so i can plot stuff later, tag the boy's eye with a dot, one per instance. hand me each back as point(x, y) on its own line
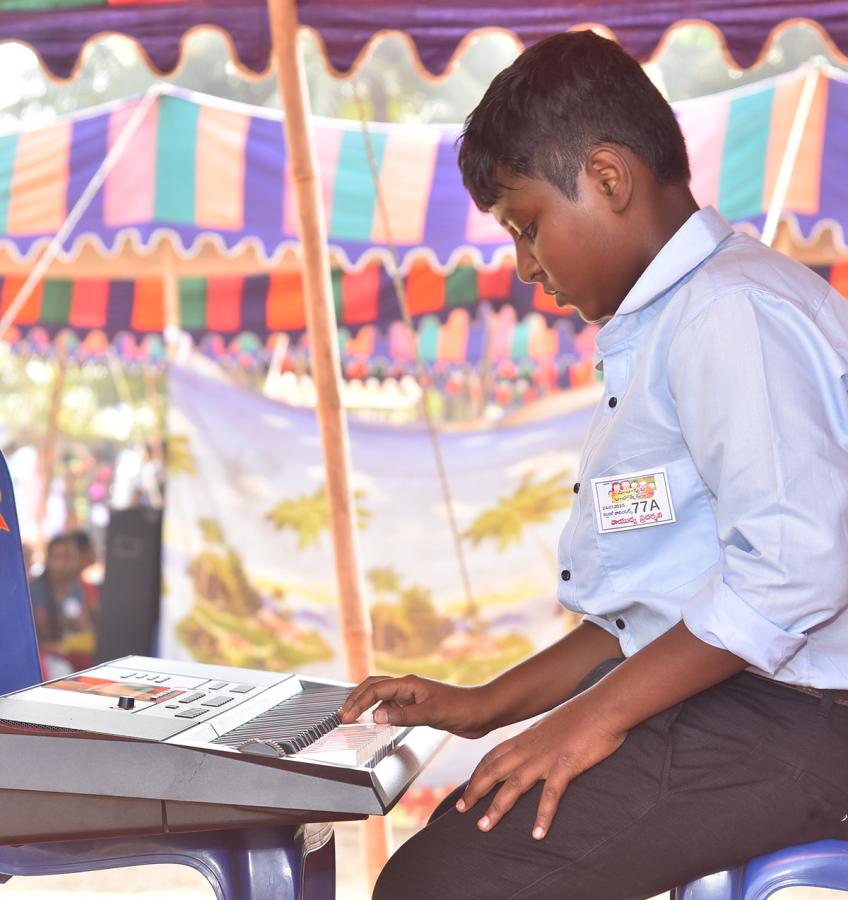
point(529, 232)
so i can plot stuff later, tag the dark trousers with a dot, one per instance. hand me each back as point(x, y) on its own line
point(741, 769)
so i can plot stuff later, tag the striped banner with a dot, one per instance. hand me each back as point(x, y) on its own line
point(737, 142)
point(198, 168)
point(491, 333)
point(264, 305)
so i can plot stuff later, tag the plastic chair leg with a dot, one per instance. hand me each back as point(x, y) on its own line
point(286, 863)
point(718, 886)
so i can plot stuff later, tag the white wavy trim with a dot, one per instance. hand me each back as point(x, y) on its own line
point(819, 229)
point(130, 239)
point(471, 36)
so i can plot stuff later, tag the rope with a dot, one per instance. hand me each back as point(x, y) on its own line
point(400, 291)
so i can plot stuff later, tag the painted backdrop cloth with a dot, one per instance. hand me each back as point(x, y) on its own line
point(248, 570)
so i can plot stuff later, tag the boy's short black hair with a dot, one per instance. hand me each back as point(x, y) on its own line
point(564, 95)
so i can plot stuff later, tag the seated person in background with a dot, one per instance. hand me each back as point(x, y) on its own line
point(698, 716)
point(87, 561)
point(63, 621)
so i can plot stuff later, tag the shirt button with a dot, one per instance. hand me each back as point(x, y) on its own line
point(576, 487)
point(619, 623)
point(613, 402)
point(565, 575)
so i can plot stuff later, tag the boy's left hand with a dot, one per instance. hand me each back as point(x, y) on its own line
point(556, 749)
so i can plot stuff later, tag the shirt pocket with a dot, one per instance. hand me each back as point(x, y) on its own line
point(660, 558)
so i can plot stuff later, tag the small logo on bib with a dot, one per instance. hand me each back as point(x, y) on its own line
point(636, 500)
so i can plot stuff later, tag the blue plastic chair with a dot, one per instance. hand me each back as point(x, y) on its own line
point(293, 862)
point(823, 864)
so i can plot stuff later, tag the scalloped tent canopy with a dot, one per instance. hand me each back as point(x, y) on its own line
point(58, 29)
point(200, 172)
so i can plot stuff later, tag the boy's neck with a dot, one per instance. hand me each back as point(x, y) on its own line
point(672, 206)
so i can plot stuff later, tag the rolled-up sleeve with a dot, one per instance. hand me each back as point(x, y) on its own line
point(761, 399)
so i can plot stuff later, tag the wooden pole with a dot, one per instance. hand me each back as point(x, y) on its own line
point(323, 342)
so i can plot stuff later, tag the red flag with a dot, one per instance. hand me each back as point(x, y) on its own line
point(3, 525)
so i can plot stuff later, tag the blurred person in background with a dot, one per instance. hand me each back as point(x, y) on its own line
point(88, 574)
point(63, 621)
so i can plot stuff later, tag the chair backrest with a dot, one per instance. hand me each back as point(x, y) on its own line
point(19, 662)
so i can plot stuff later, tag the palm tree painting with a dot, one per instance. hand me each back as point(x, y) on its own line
point(232, 622)
point(384, 580)
point(180, 459)
point(532, 503)
point(410, 634)
point(308, 515)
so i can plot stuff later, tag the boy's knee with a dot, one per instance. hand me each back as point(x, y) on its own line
point(396, 882)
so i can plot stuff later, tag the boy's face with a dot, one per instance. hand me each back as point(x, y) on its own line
point(577, 249)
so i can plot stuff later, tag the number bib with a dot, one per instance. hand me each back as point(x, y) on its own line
point(637, 500)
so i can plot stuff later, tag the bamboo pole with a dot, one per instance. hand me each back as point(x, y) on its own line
point(323, 342)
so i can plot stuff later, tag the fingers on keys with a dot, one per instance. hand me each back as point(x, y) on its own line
point(389, 692)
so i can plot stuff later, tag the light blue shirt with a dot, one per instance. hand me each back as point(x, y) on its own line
point(728, 363)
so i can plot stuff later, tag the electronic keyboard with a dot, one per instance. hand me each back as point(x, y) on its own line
point(141, 745)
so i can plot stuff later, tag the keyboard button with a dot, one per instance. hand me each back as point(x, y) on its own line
point(172, 706)
point(192, 713)
point(190, 698)
point(217, 686)
point(217, 701)
point(241, 688)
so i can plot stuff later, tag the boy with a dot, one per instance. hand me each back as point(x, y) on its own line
point(723, 733)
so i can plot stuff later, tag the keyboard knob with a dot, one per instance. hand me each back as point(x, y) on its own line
point(126, 702)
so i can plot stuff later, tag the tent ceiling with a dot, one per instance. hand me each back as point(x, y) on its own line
point(436, 28)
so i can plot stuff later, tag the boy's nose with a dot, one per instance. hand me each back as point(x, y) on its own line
point(526, 267)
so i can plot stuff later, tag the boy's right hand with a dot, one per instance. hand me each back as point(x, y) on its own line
point(412, 700)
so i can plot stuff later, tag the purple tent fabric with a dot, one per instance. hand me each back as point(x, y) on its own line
point(58, 34)
point(437, 26)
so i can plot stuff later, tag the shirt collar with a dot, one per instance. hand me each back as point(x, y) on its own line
point(688, 247)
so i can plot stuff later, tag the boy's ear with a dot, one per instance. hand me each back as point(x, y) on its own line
point(610, 174)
